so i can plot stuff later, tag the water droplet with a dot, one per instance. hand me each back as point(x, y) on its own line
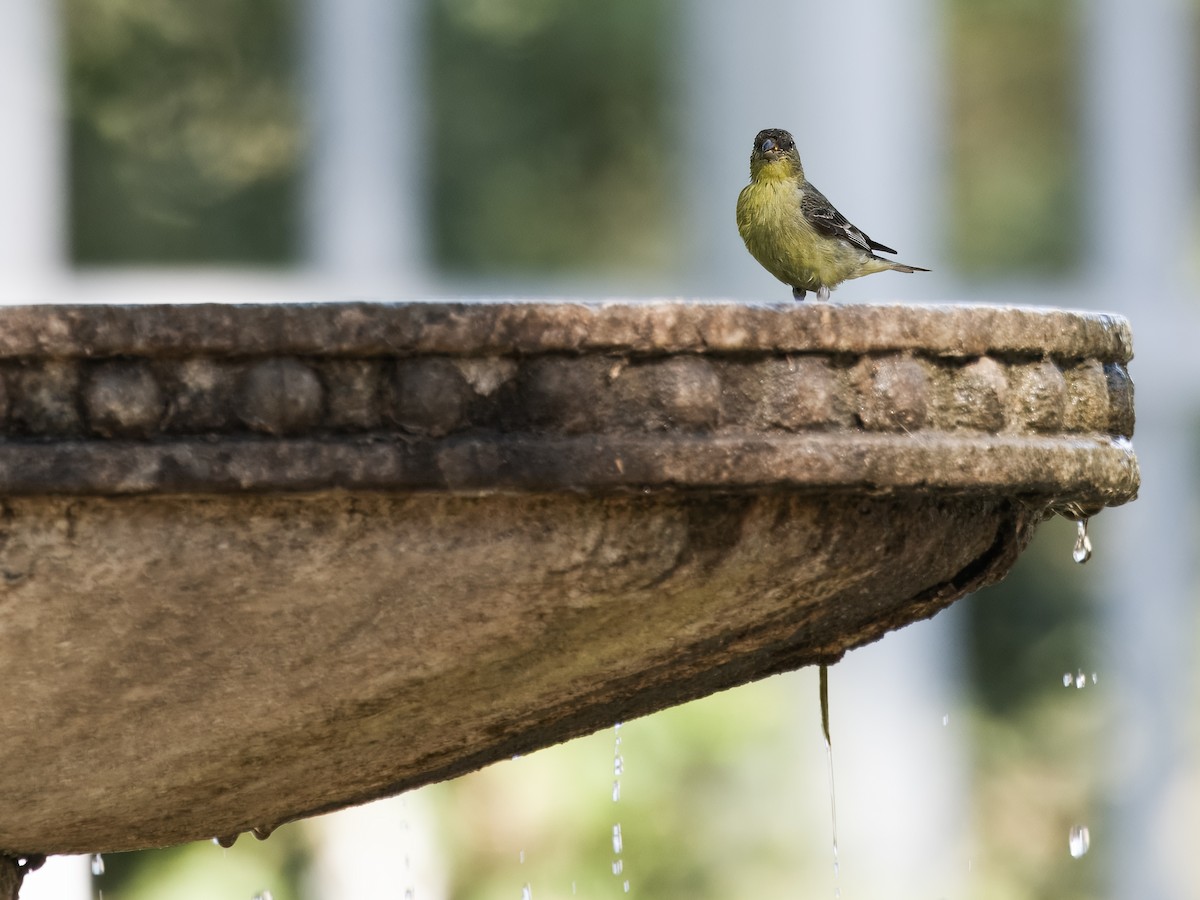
point(618, 866)
point(225, 840)
point(1080, 680)
point(97, 864)
point(521, 856)
point(616, 791)
point(265, 895)
point(409, 894)
point(1079, 840)
point(617, 842)
point(1083, 544)
point(627, 886)
point(1067, 679)
point(527, 892)
point(946, 719)
point(618, 766)
point(573, 891)
point(1095, 678)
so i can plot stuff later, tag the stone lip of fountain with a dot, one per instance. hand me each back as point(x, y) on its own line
point(265, 561)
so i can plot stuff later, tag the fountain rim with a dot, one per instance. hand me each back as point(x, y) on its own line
point(533, 326)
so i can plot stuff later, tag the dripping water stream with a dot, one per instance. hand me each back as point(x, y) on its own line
point(824, 690)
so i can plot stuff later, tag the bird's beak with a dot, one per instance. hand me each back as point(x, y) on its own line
point(768, 145)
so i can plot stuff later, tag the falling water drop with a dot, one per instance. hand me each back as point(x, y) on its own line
point(521, 856)
point(97, 864)
point(410, 891)
point(265, 895)
point(1067, 679)
point(626, 885)
point(618, 842)
point(1083, 544)
point(1079, 840)
point(946, 719)
point(1080, 680)
point(526, 892)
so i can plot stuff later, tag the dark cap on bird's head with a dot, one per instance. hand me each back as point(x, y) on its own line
point(773, 143)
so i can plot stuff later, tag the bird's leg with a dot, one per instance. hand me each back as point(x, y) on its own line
point(798, 293)
point(823, 293)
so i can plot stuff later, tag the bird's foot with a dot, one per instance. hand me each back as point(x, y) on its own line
point(823, 293)
point(798, 293)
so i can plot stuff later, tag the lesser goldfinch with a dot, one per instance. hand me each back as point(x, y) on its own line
point(794, 232)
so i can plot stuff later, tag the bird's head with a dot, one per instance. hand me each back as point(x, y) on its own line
point(774, 156)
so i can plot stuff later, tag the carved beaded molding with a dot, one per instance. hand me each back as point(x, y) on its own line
point(541, 395)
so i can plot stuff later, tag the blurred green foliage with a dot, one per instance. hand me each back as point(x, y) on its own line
point(203, 870)
point(552, 145)
point(185, 131)
point(1026, 632)
point(1015, 157)
point(1036, 766)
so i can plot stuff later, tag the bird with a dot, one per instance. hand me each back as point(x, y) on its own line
point(794, 232)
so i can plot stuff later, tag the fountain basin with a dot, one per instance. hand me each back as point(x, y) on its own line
point(260, 562)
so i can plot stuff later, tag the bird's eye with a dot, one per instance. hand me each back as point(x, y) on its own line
point(767, 145)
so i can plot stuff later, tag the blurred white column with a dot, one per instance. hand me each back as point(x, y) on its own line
point(32, 167)
point(365, 198)
point(1140, 139)
point(860, 89)
point(382, 849)
point(60, 878)
point(740, 76)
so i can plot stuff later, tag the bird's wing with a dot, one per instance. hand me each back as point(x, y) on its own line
point(824, 217)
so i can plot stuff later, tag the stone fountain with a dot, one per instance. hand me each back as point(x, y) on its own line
point(260, 562)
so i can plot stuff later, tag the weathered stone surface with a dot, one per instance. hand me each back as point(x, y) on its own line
point(1120, 399)
point(978, 396)
point(355, 401)
point(1039, 397)
point(894, 393)
point(280, 396)
point(266, 561)
point(123, 400)
point(45, 398)
point(431, 396)
point(237, 661)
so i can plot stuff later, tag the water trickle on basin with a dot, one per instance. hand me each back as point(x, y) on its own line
point(824, 691)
